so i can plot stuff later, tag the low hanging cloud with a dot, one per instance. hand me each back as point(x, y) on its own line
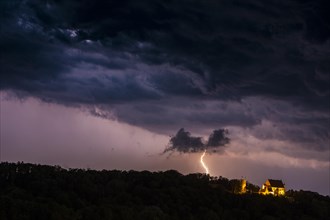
point(218, 138)
point(185, 143)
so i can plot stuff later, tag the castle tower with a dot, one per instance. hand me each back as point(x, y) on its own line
point(243, 185)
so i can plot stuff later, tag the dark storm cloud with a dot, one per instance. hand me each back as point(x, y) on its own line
point(140, 59)
point(218, 138)
point(285, 122)
point(185, 143)
point(165, 115)
point(237, 48)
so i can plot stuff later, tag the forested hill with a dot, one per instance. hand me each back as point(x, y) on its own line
point(30, 191)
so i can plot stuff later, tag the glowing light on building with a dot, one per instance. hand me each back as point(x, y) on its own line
point(203, 164)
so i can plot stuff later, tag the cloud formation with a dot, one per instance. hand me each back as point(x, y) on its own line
point(220, 50)
point(218, 138)
point(185, 143)
point(200, 64)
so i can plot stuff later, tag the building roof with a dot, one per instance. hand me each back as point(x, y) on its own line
point(276, 183)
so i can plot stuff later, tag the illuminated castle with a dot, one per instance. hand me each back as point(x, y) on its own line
point(273, 187)
point(243, 186)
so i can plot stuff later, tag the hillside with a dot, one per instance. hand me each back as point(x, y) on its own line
point(29, 191)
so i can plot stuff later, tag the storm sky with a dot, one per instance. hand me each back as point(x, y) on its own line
point(106, 84)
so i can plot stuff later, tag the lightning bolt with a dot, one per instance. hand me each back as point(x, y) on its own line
point(203, 164)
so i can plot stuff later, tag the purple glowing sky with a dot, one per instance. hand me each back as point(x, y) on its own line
point(106, 86)
point(37, 132)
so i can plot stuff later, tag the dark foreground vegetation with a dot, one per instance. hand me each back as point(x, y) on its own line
point(30, 191)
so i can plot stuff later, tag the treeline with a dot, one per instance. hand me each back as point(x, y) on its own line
point(30, 191)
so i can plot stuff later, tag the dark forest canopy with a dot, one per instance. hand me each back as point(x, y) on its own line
point(29, 191)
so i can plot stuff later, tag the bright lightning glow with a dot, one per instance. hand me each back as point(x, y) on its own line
point(203, 164)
